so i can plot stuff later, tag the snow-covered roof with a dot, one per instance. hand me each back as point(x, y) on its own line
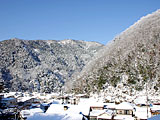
point(36, 110)
point(44, 104)
point(90, 102)
point(106, 115)
point(76, 109)
point(9, 94)
point(23, 99)
point(55, 108)
point(57, 112)
point(96, 112)
point(140, 100)
point(155, 107)
point(110, 105)
point(44, 116)
point(56, 101)
point(124, 106)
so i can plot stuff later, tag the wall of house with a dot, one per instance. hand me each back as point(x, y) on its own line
point(124, 112)
point(92, 118)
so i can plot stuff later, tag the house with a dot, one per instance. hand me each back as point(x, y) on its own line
point(28, 101)
point(124, 108)
point(94, 105)
point(124, 111)
point(101, 115)
point(8, 102)
point(97, 109)
point(142, 113)
point(9, 114)
point(64, 99)
point(81, 96)
point(155, 110)
point(74, 101)
point(95, 113)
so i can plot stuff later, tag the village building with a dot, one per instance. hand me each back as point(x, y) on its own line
point(8, 102)
point(10, 113)
point(142, 113)
point(124, 108)
point(64, 99)
point(26, 102)
point(124, 111)
point(155, 110)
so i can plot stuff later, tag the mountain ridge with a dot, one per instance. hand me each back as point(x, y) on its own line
point(42, 65)
point(120, 62)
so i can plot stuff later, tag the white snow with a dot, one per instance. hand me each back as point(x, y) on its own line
point(75, 109)
point(110, 105)
point(96, 112)
point(49, 42)
point(57, 112)
point(141, 100)
point(155, 107)
point(43, 116)
point(31, 112)
point(125, 106)
point(36, 50)
point(67, 41)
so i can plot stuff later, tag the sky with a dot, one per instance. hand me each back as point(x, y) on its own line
point(89, 20)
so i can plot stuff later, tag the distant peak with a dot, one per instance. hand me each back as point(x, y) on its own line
point(15, 38)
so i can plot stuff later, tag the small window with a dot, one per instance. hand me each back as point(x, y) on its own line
point(120, 112)
point(126, 112)
point(93, 118)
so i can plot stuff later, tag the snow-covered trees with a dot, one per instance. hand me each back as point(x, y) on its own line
point(134, 54)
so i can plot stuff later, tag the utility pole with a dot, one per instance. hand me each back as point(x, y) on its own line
point(147, 97)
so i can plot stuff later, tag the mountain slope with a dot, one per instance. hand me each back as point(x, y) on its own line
point(131, 61)
point(42, 65)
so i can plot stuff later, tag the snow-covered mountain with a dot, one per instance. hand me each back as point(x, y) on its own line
point(130, 62)
point(42, 65)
